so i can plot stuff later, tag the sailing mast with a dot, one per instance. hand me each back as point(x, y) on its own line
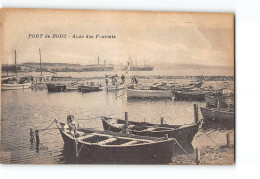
point(40, 61)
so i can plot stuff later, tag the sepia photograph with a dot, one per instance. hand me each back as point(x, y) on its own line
point(117, 87)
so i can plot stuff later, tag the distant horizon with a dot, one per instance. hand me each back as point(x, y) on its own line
point(172, 64)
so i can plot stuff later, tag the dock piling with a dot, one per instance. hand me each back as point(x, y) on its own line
point(228, 140)
point(76, 149)
point(126, 122)
point(196, 113)
point(197, 158)
point(37, 136)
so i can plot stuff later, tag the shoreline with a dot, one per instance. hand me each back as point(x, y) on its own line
point(219, 155)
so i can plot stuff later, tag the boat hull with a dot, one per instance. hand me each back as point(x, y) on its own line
point(218, 117)
point(189, 96)
point(183, 134)
point(15, 86)
point(134, 93)
point(56, 87)
point(198, 85)
point(87, 89)
point(152, 153)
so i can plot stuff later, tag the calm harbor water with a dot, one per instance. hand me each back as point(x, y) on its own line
point(36, 109)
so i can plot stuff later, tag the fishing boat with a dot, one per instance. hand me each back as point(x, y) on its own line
point(217, 114)
point(197, 84)
point(196, 94)
point(147, 93)
point(56, 87)
point(15, 86)
point(90, 88)
point(15, 82)
point(219, 110)
point(162, 86)
point(189, 95)
point(184, 134)
point(114, 148)
point(212, 101)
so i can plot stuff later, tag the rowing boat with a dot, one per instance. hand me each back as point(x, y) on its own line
point(108, 147)
point(90, 88)
point(189, 95)
point(218, 117)
point(56, 87)
point(147, 93)
point(184, 134)
point(15, 86)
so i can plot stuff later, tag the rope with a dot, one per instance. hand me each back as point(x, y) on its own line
point(186, 153)
point(80, 148)
point(211, 139)
point(182, 148)
point(40, 130)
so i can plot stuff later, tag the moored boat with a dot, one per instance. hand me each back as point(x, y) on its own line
point(189, 95)
point(108, 147)
point(212, 101)
point(184, 134)
point(147, 93)
point(15, 86)
point(56, 87)
point(218, 117)
point(90, 88)
point(197, 84)
point(219, 111)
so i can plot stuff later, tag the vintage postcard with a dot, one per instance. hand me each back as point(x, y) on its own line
point(117, 87)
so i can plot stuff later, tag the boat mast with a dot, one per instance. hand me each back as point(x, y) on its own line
point(40, 61)
point(15, 62)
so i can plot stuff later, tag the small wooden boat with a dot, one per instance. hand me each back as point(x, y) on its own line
point(197, 84)
point(56, 87)
point(15, 86)
point(90, 88)
point(91, 146)
point(218, 116)
point(184, 134)
point(212, 101)
point(189, 95)
point(147, 93)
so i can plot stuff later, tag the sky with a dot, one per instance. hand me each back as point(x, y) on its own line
point(153, 37)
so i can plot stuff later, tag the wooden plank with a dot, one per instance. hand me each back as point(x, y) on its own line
point(149, 129)
point(85, 137)
point(107, 141)
point(129, 143)
point(128, 138)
